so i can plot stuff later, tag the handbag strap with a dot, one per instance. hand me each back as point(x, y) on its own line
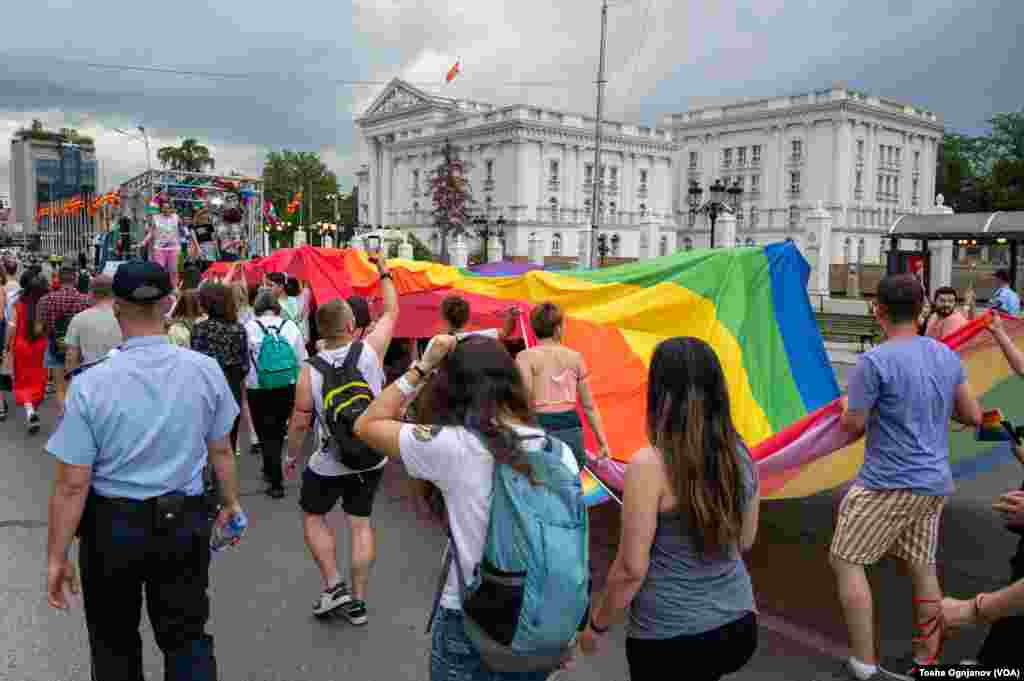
point(451, 554)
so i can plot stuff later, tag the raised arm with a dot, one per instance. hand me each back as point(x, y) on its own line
point(591, 411)
point(1013, 354)
point(380, 338)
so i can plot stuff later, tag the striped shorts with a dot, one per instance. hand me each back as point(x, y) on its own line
point(872, 524)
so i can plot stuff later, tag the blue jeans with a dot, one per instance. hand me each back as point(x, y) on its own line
point(454, 658)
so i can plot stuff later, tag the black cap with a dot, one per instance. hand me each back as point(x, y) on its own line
point(141, 282)
point(360, 311)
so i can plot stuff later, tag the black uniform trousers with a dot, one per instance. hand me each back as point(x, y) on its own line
point(130, 546)
point(270, 410)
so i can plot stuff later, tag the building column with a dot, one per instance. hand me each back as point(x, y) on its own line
point(781, 179)
point(818, 230)
point(387, 200)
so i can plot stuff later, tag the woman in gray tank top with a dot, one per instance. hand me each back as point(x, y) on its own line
point(690, 507)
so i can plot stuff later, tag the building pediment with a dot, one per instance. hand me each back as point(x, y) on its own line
point(399, 97)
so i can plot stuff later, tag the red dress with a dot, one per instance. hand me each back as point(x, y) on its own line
point(29, 372)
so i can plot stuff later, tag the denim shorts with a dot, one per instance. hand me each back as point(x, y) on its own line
point(52, 361)
point(454, 658)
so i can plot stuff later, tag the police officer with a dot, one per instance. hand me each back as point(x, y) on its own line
point(131, 451)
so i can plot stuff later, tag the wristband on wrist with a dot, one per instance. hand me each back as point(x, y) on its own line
point(415, 366)
point(405, 387)
point(597, 629)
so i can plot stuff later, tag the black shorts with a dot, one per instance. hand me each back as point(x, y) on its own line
point(320, 493)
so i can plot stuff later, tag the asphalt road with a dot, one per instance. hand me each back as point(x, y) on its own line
point(262, 592)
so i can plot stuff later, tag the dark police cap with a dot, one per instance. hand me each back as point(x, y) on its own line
point(360, 311)
point(141, 282)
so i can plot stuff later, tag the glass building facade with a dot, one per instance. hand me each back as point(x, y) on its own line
point(62, 178)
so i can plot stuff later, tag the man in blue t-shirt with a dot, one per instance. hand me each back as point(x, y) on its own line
point(902, 395)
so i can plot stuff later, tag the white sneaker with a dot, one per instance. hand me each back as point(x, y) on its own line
point(332, 599)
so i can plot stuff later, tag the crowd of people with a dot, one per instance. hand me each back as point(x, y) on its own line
point(464, 414)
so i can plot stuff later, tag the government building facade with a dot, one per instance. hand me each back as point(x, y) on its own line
point(863, 159)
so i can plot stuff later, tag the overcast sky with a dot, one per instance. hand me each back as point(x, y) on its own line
point(960, 59)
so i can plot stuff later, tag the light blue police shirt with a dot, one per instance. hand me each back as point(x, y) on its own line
point(142, 418)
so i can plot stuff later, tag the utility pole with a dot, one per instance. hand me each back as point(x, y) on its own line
point(598, 177)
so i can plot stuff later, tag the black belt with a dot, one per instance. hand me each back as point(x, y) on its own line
point(125, 504)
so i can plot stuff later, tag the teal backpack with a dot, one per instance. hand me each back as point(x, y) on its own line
point(530, 594)
point(276, 365)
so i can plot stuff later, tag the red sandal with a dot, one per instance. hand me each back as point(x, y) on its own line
point(936, 623)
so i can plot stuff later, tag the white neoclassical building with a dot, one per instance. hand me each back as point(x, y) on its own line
point(533, 167)
point(864, 159)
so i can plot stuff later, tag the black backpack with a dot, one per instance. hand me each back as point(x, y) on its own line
point(346, 395)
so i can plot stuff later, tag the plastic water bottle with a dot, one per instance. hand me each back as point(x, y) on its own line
point(230, 534)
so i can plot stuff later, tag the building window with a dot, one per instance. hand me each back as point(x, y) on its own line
point(415, 207)
point(612, 211)
point(794, 216)
point(896, 188)
point(881, 155)
point(488, 204)
point(643, 210)
point(794, 183)
point(897, 151)
point(847, 246)
point(881, 187)
point(489, 165)
point(739, 218)
point(554, 171)
point(860, 150)
point(754, 216)
point(860, 251)
point(691, 219)
point(755, 184)
point(435, 242)
point(741, 157)
point(917, 160)
point(616, 242)
point(913, 195)
point(726, 158)
point(663, 246)
point(643, 178)
point(755, 155)
point(798, 150)
point(613, 174)
point(693, 160)
point(556, 244)
point(581, 244)
point(553, 202)
point(415, 183)
point(687, 244)
point(643, 243)
point(588, 173)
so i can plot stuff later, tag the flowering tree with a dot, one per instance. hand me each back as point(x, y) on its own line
point(450, 194)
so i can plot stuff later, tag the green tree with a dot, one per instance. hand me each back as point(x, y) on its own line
point(451, 196)
point(286, 173)
point(1007, 139)
point(191, 156)
point(420, 251)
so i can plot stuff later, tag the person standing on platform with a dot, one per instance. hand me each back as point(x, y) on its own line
point(164, 241)
point(129, 483)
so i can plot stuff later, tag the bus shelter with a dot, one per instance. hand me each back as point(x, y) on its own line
point(937, 233)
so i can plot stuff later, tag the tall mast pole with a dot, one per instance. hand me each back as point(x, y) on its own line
point(598, 177)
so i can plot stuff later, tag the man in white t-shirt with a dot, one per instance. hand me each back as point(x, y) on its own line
point(326, 480)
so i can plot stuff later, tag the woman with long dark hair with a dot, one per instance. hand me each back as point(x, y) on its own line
point(690, 507)
point(475, 414)
point(26, 341)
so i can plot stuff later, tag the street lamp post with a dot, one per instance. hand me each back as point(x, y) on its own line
point(486, 232)
point(722, 199)
point(606, 245)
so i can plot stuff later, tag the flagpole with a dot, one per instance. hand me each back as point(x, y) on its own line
point(598, 176)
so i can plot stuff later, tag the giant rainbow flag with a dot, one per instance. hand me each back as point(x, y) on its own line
point(750, 304)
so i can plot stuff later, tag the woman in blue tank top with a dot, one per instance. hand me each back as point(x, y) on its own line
point(690, 507)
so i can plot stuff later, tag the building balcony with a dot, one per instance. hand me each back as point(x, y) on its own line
point(755, 163)
point(488, 184)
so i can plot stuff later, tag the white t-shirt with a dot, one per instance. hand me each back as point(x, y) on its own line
point(324, 462)
point(289, 331)
point(460, 465)
point(165, 232)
